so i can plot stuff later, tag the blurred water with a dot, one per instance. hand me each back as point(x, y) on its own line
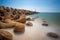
point(51, 17)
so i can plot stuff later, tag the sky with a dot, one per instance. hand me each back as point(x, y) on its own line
point(38, 5)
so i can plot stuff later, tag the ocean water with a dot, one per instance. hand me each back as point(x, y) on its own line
point(51, 17)
point(53, 20)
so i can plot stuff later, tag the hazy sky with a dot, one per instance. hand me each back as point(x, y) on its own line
point(38, 5)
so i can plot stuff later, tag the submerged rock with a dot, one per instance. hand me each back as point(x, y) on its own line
point(44, 21)
point(19, 27)
point(5, 35)
point(45, 24)
point(29, 24)
point(52, 35)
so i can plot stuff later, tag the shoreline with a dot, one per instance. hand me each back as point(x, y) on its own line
point(36, 32)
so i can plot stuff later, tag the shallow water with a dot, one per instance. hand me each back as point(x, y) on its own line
point(37, 31)
point(53, 18)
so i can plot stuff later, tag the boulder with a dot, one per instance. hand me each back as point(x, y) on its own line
point(28, 19)
point(19, 27)
point(10, 23)
point(5, 35)
point(52, 35)
point(3, 25)
point(29, 24)
point(6, 25)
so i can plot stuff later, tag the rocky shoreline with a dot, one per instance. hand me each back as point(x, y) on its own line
point(14, 18)
point(13, 13)
point(15, 10)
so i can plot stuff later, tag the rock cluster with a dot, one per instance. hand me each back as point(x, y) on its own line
point(13, 18)
point(10, 17)
point(13, 13)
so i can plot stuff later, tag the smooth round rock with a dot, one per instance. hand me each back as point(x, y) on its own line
point(19, 27)
point(29, 24)
point(52, 35)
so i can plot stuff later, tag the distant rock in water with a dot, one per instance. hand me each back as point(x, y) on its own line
point(52, 35)
point(45, 24)
point(44, 21)
point(28, 19)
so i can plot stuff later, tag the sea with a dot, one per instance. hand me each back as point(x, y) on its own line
point(51, 17)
